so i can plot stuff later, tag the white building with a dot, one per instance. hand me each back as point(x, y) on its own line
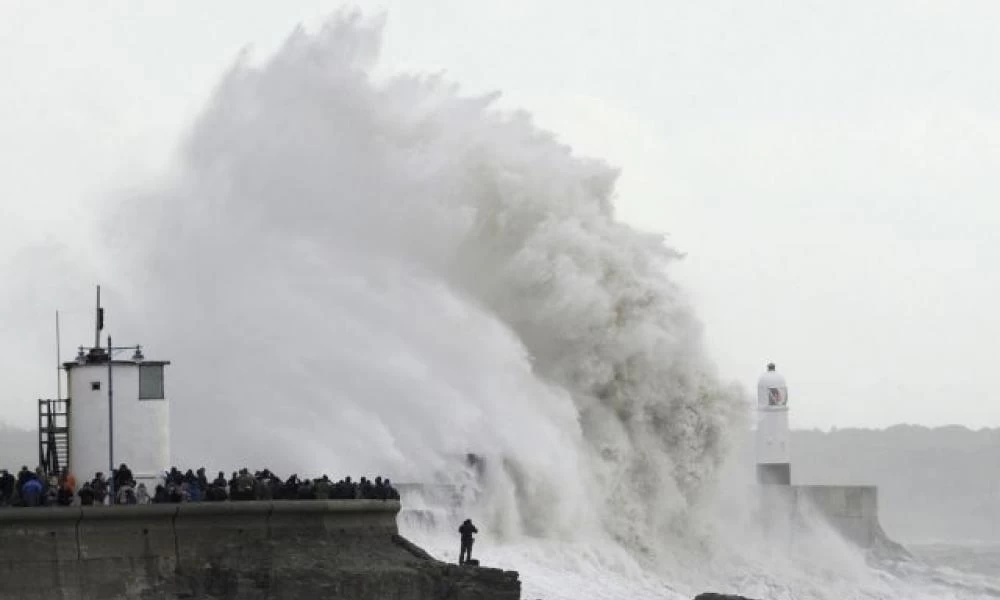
point(772, 440)
point(138, 415)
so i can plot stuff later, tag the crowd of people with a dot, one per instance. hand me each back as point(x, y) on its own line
point(34, 488)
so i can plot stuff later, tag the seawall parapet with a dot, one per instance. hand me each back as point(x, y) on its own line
point(245, 550)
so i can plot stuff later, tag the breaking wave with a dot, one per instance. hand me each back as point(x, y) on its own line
point(391, 272)
point(354, 273)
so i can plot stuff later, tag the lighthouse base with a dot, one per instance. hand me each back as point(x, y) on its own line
point(774, 474)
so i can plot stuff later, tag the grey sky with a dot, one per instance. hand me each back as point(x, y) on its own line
point(829, 168)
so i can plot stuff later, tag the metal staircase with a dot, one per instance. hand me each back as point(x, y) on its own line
point(53, 435)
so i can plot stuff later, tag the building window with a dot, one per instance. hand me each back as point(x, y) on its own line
point(151, 382)
point(95, 385)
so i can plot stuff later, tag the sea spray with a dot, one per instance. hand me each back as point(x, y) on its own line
point(355, 274)
point(387, 274)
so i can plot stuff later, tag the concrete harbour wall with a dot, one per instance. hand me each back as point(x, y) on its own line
point(246, 550)
point(851, 510)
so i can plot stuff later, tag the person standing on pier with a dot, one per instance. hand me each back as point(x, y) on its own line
point(467, 530)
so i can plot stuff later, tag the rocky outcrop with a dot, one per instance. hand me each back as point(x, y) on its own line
point(710, 596)
point(244, 550)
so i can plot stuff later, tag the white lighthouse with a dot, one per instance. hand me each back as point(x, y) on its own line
point(773, 456)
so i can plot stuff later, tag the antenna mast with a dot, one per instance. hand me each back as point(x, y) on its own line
point(98, 320)
point(58, 366)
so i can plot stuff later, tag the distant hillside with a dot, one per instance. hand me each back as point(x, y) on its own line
point(941, 483)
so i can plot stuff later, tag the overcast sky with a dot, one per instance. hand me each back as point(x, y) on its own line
point(830, 168)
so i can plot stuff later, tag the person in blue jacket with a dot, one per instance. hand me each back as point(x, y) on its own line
point(31, 492)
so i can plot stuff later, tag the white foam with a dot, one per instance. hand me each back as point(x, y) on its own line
point(358, 275)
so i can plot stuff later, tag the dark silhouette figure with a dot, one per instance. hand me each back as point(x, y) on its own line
point(100, 487)
point(7, 486)
point(122, 478)
point(322, 488)
point(244, 486)
point(160, 495)
point(174, 495)
point(391, 492)
point(22, 478)
point(217, 489)
point(233, 486)
point(467, 530)
point(64, 496)
point(86, 494)
point(305, 491)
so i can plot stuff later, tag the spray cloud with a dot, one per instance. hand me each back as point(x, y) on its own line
point(354, 274)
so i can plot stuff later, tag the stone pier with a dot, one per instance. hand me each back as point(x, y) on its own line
point(331, 549)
